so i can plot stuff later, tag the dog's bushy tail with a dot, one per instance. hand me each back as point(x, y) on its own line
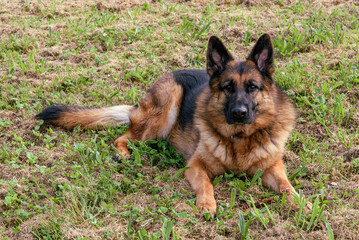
point(70, 116)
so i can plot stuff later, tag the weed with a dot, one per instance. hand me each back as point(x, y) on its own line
point(64, 184)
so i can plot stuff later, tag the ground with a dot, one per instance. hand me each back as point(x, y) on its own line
point(60, 184)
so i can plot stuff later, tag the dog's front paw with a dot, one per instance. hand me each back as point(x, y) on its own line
point(296, 203)
point(308, 207)
point(207, 207)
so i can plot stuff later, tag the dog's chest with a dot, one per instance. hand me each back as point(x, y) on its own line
point(239, 154)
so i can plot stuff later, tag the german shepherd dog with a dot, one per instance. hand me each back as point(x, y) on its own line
point(232, 117)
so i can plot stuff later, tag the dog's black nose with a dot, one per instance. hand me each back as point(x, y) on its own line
point(239, 112)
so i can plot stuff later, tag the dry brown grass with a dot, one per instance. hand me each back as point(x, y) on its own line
point(82, 69)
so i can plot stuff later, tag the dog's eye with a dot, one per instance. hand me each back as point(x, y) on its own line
point(229, 88)
point(252, 87)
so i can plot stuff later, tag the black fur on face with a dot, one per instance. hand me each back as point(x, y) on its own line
point(240, 106)
point(240, 81)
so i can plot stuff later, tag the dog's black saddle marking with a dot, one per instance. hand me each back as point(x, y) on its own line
point(193, 82)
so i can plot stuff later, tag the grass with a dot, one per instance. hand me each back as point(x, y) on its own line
point(58, 184)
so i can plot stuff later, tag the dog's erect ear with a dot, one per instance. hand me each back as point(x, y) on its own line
point(217, 56)
point(262, 54)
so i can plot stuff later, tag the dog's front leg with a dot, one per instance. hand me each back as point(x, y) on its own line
point(275, 177)
point(200, 182)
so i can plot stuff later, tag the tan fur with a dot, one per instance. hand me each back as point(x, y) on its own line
point(94, 118)
point(210, 145)
point(218, 152)
point(211, 149)
point(155, 115)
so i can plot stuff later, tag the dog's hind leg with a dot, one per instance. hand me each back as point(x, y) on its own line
point(121, 145)
point(155, 115)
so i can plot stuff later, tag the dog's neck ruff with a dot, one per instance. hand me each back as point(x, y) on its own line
point(237, 135)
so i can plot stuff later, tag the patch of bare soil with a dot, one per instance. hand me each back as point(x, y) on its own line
point(315, 131)
point(352, 153)
point(342, 216)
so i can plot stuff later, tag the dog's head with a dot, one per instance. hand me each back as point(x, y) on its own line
point(239, 84)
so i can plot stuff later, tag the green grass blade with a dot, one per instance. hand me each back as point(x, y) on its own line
point(241, 223)
point(330, 231)
point(217, 180)
point(178, 173)
point(166, 229)
point(256, 176)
